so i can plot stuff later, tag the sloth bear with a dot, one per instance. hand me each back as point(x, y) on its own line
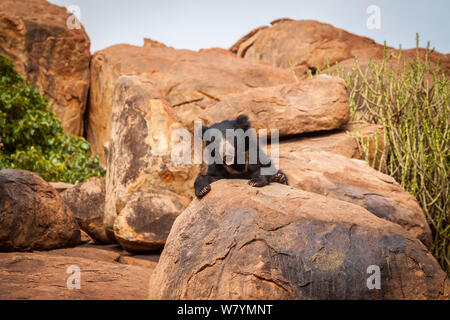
point(233, 152)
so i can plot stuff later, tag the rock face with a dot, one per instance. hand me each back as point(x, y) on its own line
point(352, 180)
point(188, 81)
point(32, 214)
point(35, 36)
point(318, 103)
point(305, 44)
point(44, 276)
point(86, 200)
point(342, 141)
point(145, 261)
point(308, 44)
point(139, 152)
point(145, 221)
point(61, 186)
point(278, 242)
point(111, 253)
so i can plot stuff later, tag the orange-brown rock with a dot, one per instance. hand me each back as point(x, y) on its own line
point(354, 181)
point(307, 45)
point(188, 81)
point(44, 276)
point(153, 43)
point(86, 200)
point(217, 51)
point(84, 237)
point(278, 242)
point(35, 36)
point(61, 186)
point(110, 253)
point(146, 219)
point(314, 104)
point(347, 141)
point(33, 215)
point(149, 261)
point(139, 153)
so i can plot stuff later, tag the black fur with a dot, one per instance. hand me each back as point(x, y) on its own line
point(215, 171)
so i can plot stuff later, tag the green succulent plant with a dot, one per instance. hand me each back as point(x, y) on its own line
point(31, 136)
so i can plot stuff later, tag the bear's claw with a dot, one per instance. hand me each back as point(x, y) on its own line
point(204, 191)
point(280, 177)
point(257, 183)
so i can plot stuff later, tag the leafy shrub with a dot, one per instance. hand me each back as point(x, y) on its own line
point(411, 102)
point(31, 137)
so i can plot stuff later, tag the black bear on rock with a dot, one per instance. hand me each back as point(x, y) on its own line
point(233, 152)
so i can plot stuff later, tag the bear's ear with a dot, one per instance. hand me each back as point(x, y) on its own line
point(242, 122)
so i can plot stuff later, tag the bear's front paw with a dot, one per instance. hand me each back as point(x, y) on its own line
point(258, 182)
point(203, 191)
point(280, 177)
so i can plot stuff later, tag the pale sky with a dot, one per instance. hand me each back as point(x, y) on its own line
point(196, 24)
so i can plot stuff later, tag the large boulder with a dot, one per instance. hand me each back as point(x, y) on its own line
point(146, 219)
point(35, 36)
point(278, 242)
point(354, 181)
point(304, 45)
point(32, 214)
point(139, 152)
point(307, 45)
point(188, 81)
point(86, 200)
point(315, 104)
point(347, 141)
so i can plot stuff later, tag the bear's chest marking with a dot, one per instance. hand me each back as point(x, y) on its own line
point(233, 171)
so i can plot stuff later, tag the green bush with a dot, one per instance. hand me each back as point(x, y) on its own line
point(411, 102)
point(31, 137)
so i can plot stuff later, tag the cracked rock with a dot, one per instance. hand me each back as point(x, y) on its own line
point(278, 242)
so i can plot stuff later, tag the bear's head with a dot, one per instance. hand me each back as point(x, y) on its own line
point(227, 141)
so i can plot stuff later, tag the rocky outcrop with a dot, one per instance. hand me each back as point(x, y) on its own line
point(110, 253)
point(44, 276)
point(32, 214)
point(278, 242)
point(145, 221)
point(346, 141)
point(85, 238)
point(355, 181)
point(61, 186)
point(35, 36)
point(139, 152)
point(187, 81)
point(315, 104)
point(217, 51)
point(307, 45)
point(149, 261)
point(86, 200)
